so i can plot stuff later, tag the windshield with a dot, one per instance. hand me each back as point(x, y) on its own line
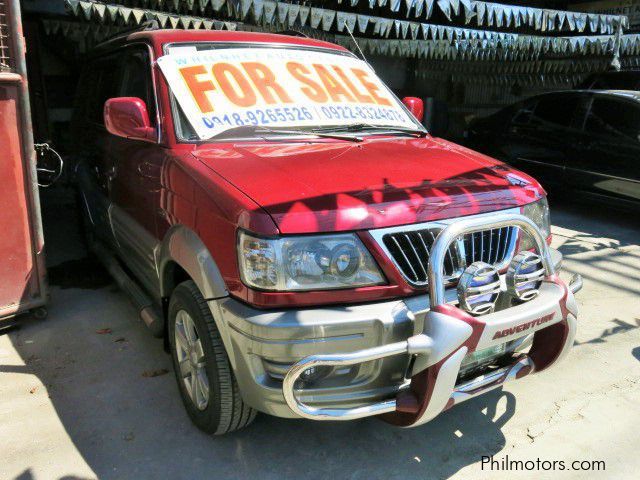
point(218, 89)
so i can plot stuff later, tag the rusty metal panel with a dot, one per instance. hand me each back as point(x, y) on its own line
point(22, 270)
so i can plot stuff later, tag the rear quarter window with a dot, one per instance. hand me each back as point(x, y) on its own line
point(615, 119)
point(556, 110)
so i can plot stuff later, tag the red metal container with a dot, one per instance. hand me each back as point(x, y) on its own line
point(22, 268)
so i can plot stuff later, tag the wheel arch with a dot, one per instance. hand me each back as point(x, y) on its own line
point(183, 256)
point(182, 251)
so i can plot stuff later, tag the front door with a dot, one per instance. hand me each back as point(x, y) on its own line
point(135, 185)
point(609, 161)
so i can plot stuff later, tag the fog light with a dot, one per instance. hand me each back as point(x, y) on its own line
point(478, 288)
point(314, 374)
point(524, 276)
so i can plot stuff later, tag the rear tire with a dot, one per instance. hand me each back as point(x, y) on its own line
point(206, 382)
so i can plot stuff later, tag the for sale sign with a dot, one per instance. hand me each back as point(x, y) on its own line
point(219, 89)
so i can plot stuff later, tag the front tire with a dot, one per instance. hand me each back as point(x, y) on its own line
point(206, 382)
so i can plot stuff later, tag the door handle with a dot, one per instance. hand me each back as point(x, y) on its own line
point(148, 170)
point(110, 173)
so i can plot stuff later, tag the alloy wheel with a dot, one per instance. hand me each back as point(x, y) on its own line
point(191, 359)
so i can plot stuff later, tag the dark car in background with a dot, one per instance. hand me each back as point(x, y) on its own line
point(583, 141)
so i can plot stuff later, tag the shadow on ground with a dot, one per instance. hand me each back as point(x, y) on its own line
point(124, 424)
point(600, 223)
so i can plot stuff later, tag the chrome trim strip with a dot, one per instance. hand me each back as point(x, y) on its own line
point(538, 162)
point(605, 175)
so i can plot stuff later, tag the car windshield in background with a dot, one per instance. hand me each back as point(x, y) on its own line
point(298, 90)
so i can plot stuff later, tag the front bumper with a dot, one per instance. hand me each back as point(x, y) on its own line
point(403, 357)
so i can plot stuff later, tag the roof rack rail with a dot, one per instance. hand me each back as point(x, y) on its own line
point(293, 33)
point(147, 25)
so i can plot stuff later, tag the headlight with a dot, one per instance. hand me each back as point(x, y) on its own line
point(306, 263)
point(538, 212)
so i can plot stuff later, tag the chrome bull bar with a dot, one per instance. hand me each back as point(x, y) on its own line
point(418, 345)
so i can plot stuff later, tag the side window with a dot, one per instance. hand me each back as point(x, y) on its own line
point(84, 92)
point(104, 81)
point(524, 113)
point(137, 81)
point(614, 118)
point(557, 110)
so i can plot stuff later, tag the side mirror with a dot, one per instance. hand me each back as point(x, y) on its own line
point(415, 106)
point(128, 117)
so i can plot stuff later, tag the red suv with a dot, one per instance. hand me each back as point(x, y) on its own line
point(302, 244)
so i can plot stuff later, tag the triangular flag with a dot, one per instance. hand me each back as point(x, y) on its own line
point(269, 11)
point(445, 7)
point(283, 12)
point(363, 21)
point(327, 19)
point(304, 14)
point(258, 9)
point(245, 6)
point(294, 10)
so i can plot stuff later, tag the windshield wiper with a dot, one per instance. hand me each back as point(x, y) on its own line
point(360, 127)
point(256, 129)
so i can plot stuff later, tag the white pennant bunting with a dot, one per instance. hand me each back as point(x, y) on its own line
point(363, 21)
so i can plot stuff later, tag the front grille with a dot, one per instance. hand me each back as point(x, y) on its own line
point(489, 246)
point(5, 58)
point(410, 249)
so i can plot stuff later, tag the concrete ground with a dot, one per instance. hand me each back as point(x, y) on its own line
point(75, 403)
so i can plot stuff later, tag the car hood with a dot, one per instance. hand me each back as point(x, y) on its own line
point(332, 185)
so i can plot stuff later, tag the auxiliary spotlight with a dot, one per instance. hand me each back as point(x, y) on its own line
point(524, 276)
point(478, 288)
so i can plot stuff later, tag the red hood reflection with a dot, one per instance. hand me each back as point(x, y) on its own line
point(328, 186)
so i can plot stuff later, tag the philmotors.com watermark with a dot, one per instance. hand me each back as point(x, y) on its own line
point(507, 464)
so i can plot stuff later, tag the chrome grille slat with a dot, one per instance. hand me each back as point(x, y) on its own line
point(424, 245)
point(473, 245)
point(417, 257)
point(395, 240)
point(490, 245)
point(410, 249)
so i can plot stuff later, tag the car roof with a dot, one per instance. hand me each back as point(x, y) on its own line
point(160, 37)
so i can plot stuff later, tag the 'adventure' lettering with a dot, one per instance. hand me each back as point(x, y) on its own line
point(524, 326)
